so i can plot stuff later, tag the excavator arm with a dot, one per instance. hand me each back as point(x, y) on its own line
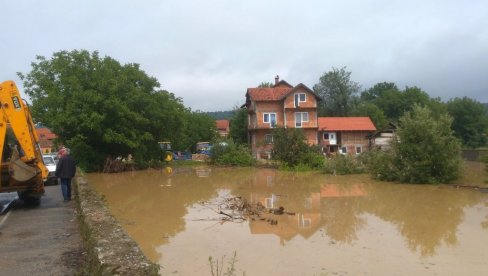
point(26, 169)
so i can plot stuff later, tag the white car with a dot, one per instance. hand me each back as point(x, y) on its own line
point(51, 166)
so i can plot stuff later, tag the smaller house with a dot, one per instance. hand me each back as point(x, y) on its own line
point(223, 127)
point(382, 138)
point(345, 135)
point(46, 139)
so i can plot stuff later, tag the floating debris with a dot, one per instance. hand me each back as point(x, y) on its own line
point(237, 209)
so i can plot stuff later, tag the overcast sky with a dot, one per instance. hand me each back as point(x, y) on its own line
point(209, 52)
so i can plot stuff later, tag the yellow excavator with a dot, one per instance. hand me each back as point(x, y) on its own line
point(22, 167)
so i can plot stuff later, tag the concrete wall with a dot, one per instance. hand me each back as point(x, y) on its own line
point(111, 251)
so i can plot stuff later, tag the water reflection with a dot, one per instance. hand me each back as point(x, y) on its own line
point(155, 206)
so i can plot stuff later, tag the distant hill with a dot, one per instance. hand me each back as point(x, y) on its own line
point(221, 115)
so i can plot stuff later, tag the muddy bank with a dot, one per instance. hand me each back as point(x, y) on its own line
point(109, 248)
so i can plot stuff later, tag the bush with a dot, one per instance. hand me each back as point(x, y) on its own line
point(380, 164)
point(291, 149)
point(226, 152)
point(425, 151)
point(343, 164)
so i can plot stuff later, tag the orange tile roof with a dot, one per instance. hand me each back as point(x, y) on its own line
point(222, 124)
point(345, 123)
point(268, 94)
point(45, 133)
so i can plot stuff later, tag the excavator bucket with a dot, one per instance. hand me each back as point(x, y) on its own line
point(19, 170)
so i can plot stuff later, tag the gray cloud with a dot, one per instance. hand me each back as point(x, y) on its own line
point(209, 52)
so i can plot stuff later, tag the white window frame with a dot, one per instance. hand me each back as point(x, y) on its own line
point(269, 121)
point(268, 139)
point(304, 222)
point(343, 149)
point(302, 120)
point(298, 100)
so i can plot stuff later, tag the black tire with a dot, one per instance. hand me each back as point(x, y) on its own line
point(29, 199)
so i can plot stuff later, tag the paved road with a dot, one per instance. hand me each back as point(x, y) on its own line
point(41, 240)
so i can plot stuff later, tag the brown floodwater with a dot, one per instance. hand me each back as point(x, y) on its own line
point(331, 225)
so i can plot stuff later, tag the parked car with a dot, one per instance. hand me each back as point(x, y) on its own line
point(51, 166)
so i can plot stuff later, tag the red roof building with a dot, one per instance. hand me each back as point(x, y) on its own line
point(346, 124)
point(223, 127)
point(345, 135)
point(281, 105)
point(46, 138)
point(284, 105)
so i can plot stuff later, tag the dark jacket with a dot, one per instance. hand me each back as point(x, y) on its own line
point(66, 167)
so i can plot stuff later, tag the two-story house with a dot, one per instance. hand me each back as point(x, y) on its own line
point(282, 105)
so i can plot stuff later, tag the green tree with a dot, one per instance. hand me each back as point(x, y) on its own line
point(265, 84)
point(394, 102)
point(196, 127)
point(470, 121)
point(289, 143)
point(387, 97)
point(337, 91)
point(226, 152)
point(425, 150)
point(291, 149)
point(101, 108)
point(372, 111)
point(238, 126)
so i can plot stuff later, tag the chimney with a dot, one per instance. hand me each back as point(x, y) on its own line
point(277, 79)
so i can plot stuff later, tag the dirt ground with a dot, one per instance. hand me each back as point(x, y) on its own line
point(43, 240)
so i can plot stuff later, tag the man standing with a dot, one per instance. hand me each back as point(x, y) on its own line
point(65, 170)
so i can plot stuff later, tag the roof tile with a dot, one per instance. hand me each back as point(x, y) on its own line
point(268, 94)
point(346, 123)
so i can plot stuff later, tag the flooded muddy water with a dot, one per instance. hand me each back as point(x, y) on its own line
point(330, 225)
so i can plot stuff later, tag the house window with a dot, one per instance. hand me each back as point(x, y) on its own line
point(304, 222)
point(344, 150)
point(300, 98)
point(269, 181)
point(326, 136)
point(359, 149)
point(300, 117)
point(268, 138)
point(270, 118)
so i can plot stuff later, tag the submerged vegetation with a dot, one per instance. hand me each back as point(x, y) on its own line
point(226, 152)
point(217, 268)
point(291, 149)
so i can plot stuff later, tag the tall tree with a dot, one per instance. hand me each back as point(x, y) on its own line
point(395, 102)
point(387, 97)
point(198, 127)
point(238, 126)
point(470, 121)
point(337, 91)
point(101, 108)
point(373, 112)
